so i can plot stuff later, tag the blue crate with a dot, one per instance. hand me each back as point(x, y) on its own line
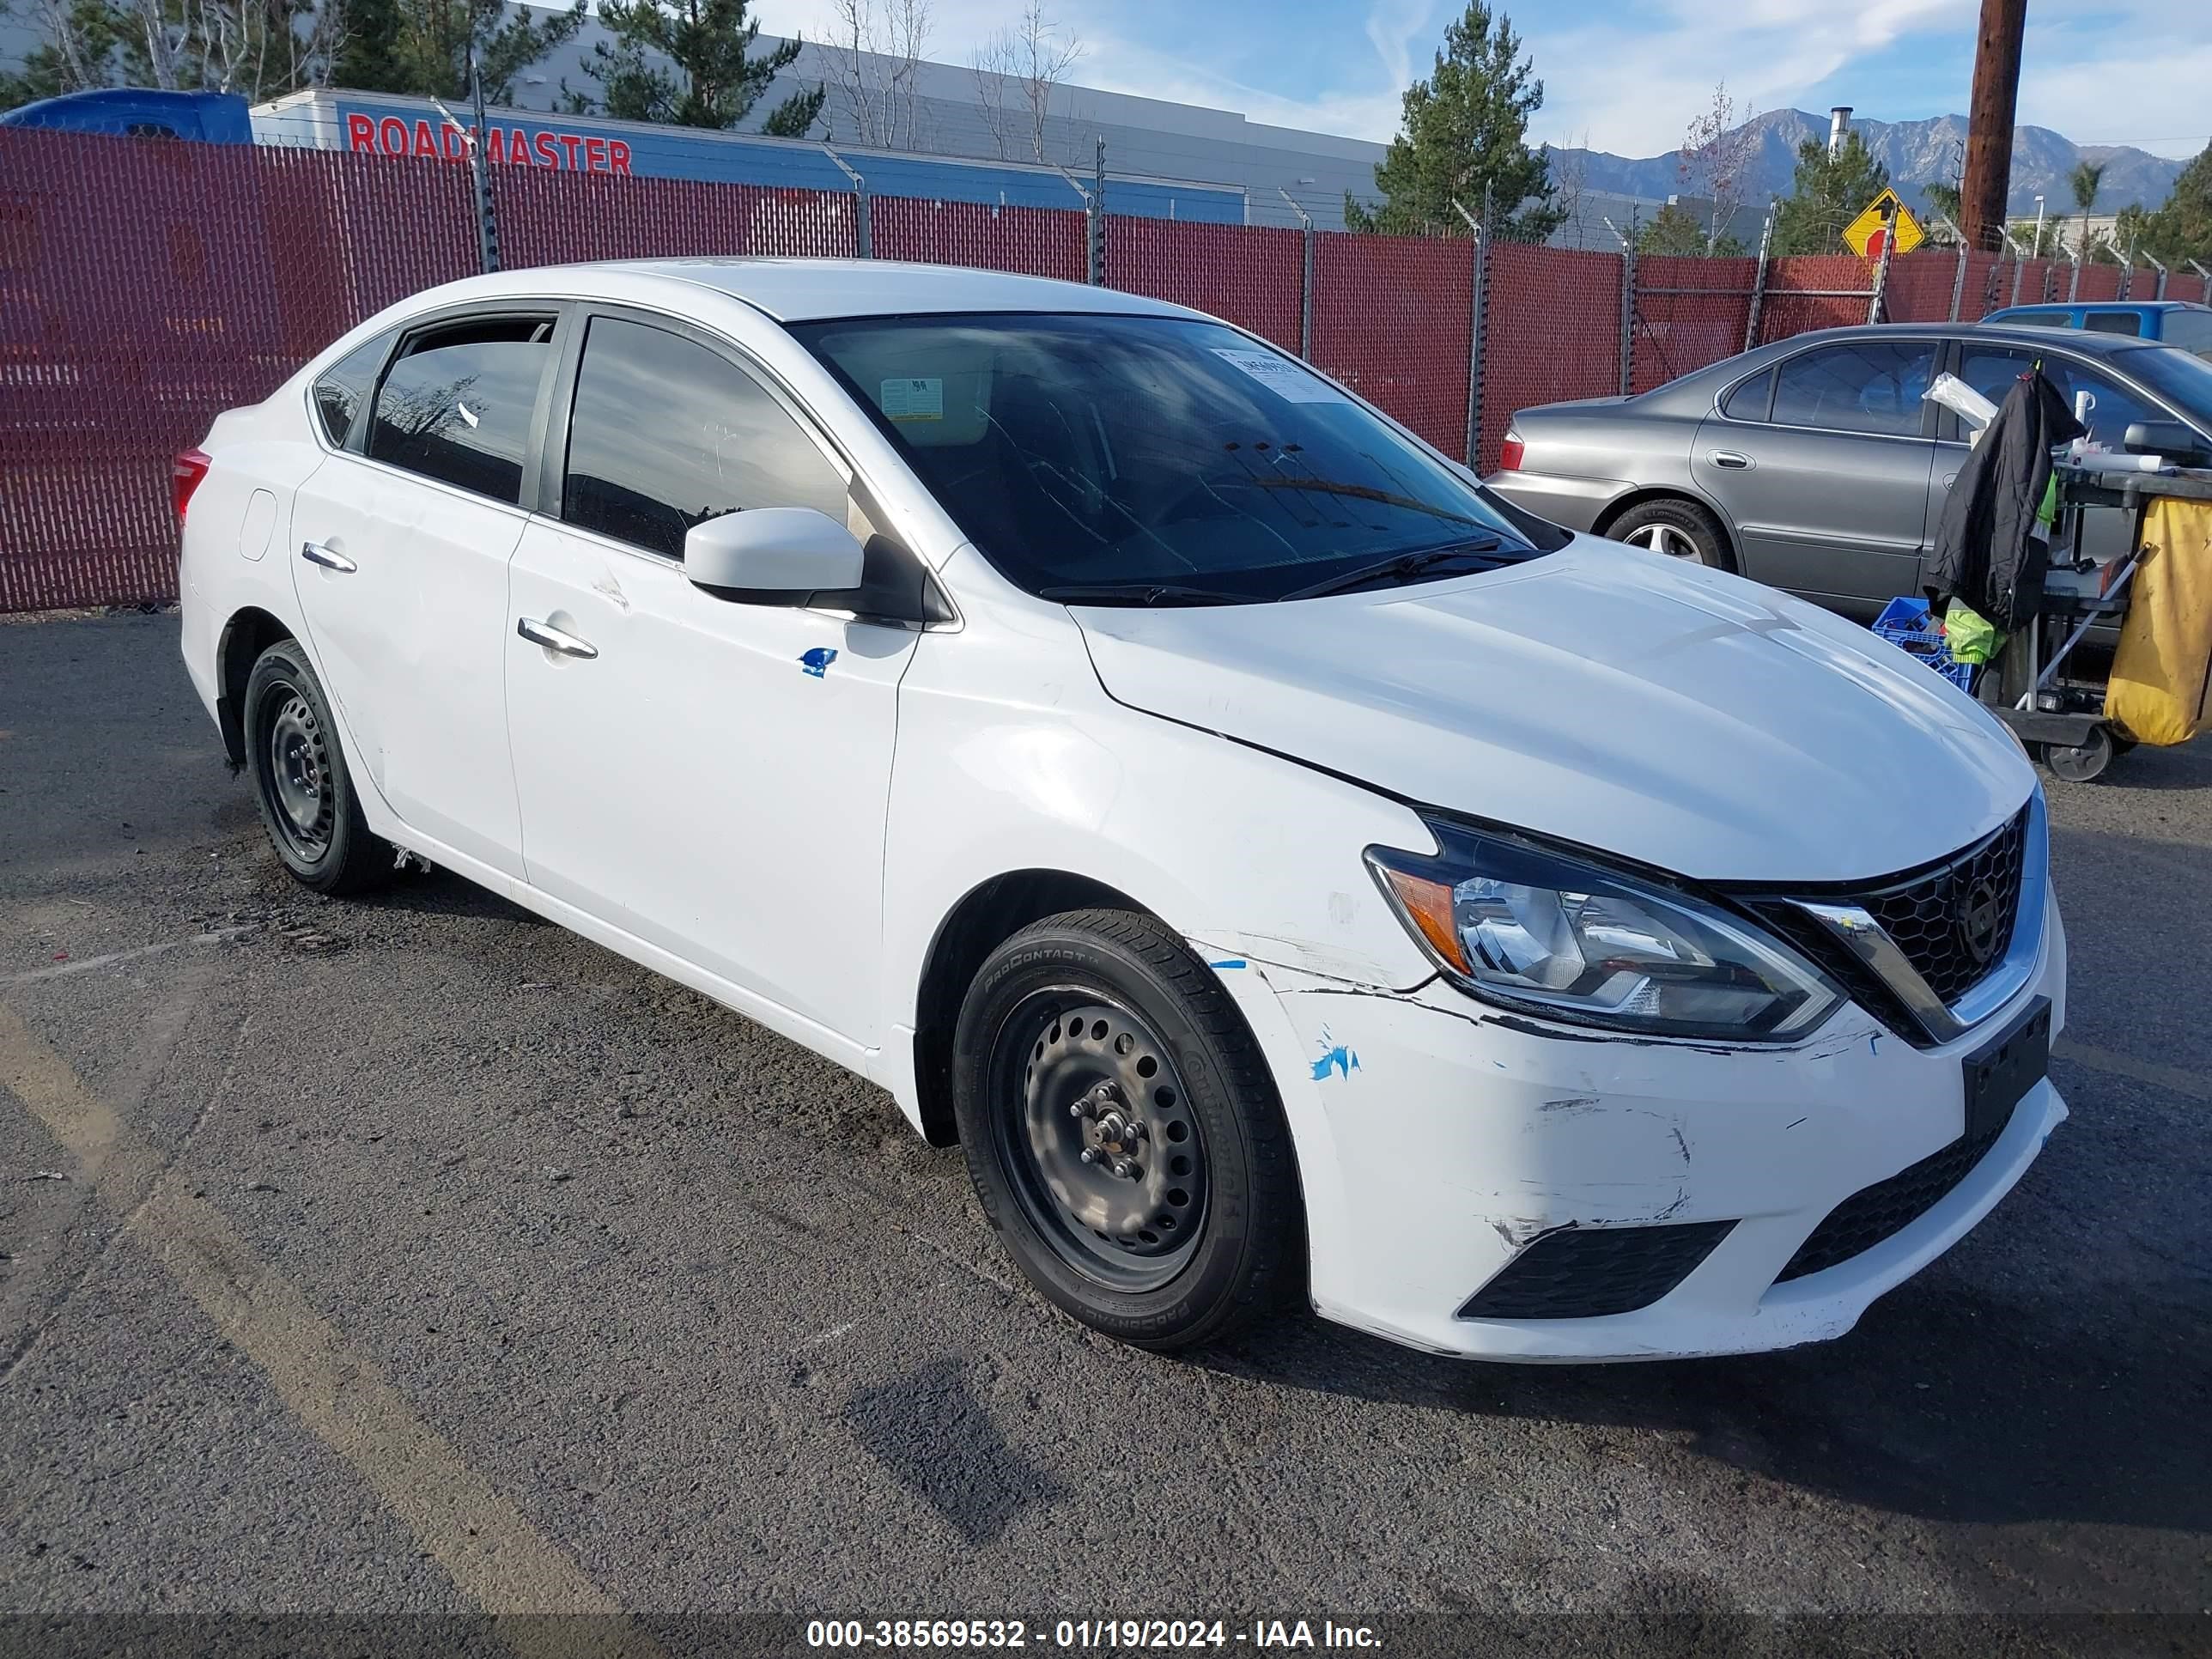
point(1908, 624)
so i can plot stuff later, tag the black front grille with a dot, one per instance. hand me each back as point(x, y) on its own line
point(1954, 924)
point(1888, 1207)
point(1583, 1273)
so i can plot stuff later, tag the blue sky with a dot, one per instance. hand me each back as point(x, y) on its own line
point(1628, 74)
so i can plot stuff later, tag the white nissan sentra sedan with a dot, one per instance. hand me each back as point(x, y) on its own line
point(1282, 866)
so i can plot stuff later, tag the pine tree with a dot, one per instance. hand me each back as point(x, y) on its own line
point(368, 55)
point(1465, 128)
point(2182, 229)
point(1676, 230)
point(714, 80)
point(1826, 194)
point(432, 40)
point(81, 50)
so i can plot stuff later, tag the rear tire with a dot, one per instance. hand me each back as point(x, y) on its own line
point(1680, 529)
point(1184, 1220)
point(306, 796)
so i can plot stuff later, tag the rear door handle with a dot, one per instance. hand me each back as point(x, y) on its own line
point(554, 639)
point(328, 557)
point(1731, 459)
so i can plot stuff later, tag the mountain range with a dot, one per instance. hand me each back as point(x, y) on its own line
point(1916, 153)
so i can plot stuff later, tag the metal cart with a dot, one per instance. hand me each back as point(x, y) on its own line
point(2058, 716)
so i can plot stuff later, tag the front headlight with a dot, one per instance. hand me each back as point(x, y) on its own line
point(1519, 925)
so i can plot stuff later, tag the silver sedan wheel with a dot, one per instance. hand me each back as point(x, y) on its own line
point(1665, 538)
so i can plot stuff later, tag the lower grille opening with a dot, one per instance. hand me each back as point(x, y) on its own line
point(1888, 1207)
point(1585, 1273)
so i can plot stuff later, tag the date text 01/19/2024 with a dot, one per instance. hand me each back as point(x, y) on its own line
point(1094, 1634)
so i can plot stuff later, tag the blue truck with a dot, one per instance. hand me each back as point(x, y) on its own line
point(2177, 322)
point(211, 118)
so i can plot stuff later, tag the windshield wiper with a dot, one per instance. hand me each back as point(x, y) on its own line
point(1402, 565)
point(1141, 593)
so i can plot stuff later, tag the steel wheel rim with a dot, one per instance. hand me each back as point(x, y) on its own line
point(1073, 1072)
point(296, 775)
point(1666, 539)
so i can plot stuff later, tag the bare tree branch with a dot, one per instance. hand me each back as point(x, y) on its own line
point(1717, 156)
point(875, 68)
point(1018, 71)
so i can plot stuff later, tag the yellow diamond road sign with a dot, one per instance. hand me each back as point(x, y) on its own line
point(1864, 233)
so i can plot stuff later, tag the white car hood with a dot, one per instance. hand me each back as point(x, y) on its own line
point(1602, 695)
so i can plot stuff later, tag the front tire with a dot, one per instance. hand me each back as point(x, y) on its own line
point(1097, 1032)
point(306, 796)
point(1681, 530)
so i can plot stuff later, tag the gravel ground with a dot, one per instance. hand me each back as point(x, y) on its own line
point(416, 1257)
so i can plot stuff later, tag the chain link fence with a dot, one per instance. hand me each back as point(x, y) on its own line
point(147, 285)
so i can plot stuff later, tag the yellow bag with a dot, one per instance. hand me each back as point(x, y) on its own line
point(2161, 686)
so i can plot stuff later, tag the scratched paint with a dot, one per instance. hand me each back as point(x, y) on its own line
point(1334, 1057)
point(817, 661)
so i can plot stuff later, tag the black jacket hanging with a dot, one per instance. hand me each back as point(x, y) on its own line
point(1986, 552)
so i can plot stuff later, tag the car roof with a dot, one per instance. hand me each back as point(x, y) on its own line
point(793, 290)
point(2107, 305)
point(1696, 387)
point(2093, 345)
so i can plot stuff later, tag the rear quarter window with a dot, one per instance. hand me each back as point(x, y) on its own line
point(1749, 400)
point(342, 390)
point(2190, 329)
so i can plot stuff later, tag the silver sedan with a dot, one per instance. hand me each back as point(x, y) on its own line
point(1814, 464)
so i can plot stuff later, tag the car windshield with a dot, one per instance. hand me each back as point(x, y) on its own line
point(2181, 377)
point(1112, 460)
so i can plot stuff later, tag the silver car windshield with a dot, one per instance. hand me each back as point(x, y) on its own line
point(1151, 459)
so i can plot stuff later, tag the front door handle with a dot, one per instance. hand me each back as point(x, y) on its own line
point(554, 639)
point(1734, 461)
point(328, 557)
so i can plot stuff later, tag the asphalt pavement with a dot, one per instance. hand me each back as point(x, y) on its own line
point(414, 1256)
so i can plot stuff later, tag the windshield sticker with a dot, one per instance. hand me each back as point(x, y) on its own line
point(1285, 379)
point(913, 399)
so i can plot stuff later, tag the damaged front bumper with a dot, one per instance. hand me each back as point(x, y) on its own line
point(1441, 1142)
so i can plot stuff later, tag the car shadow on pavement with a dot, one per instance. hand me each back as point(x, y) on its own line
point(1947, 1402)
point(442, 893)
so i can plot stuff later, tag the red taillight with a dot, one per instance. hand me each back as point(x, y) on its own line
point(1510, 454)
point(184, 475)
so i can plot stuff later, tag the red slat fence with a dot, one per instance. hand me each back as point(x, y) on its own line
point(146, 285)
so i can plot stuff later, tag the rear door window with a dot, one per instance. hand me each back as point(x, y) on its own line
point(2114, 322)
point(1869, 386)
point(2041, 319)
point(458, 403)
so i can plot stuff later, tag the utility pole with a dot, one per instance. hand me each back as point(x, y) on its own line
point(1989, 121)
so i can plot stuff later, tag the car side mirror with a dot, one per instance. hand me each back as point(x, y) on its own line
point(2168, 438)
point(772, 555)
